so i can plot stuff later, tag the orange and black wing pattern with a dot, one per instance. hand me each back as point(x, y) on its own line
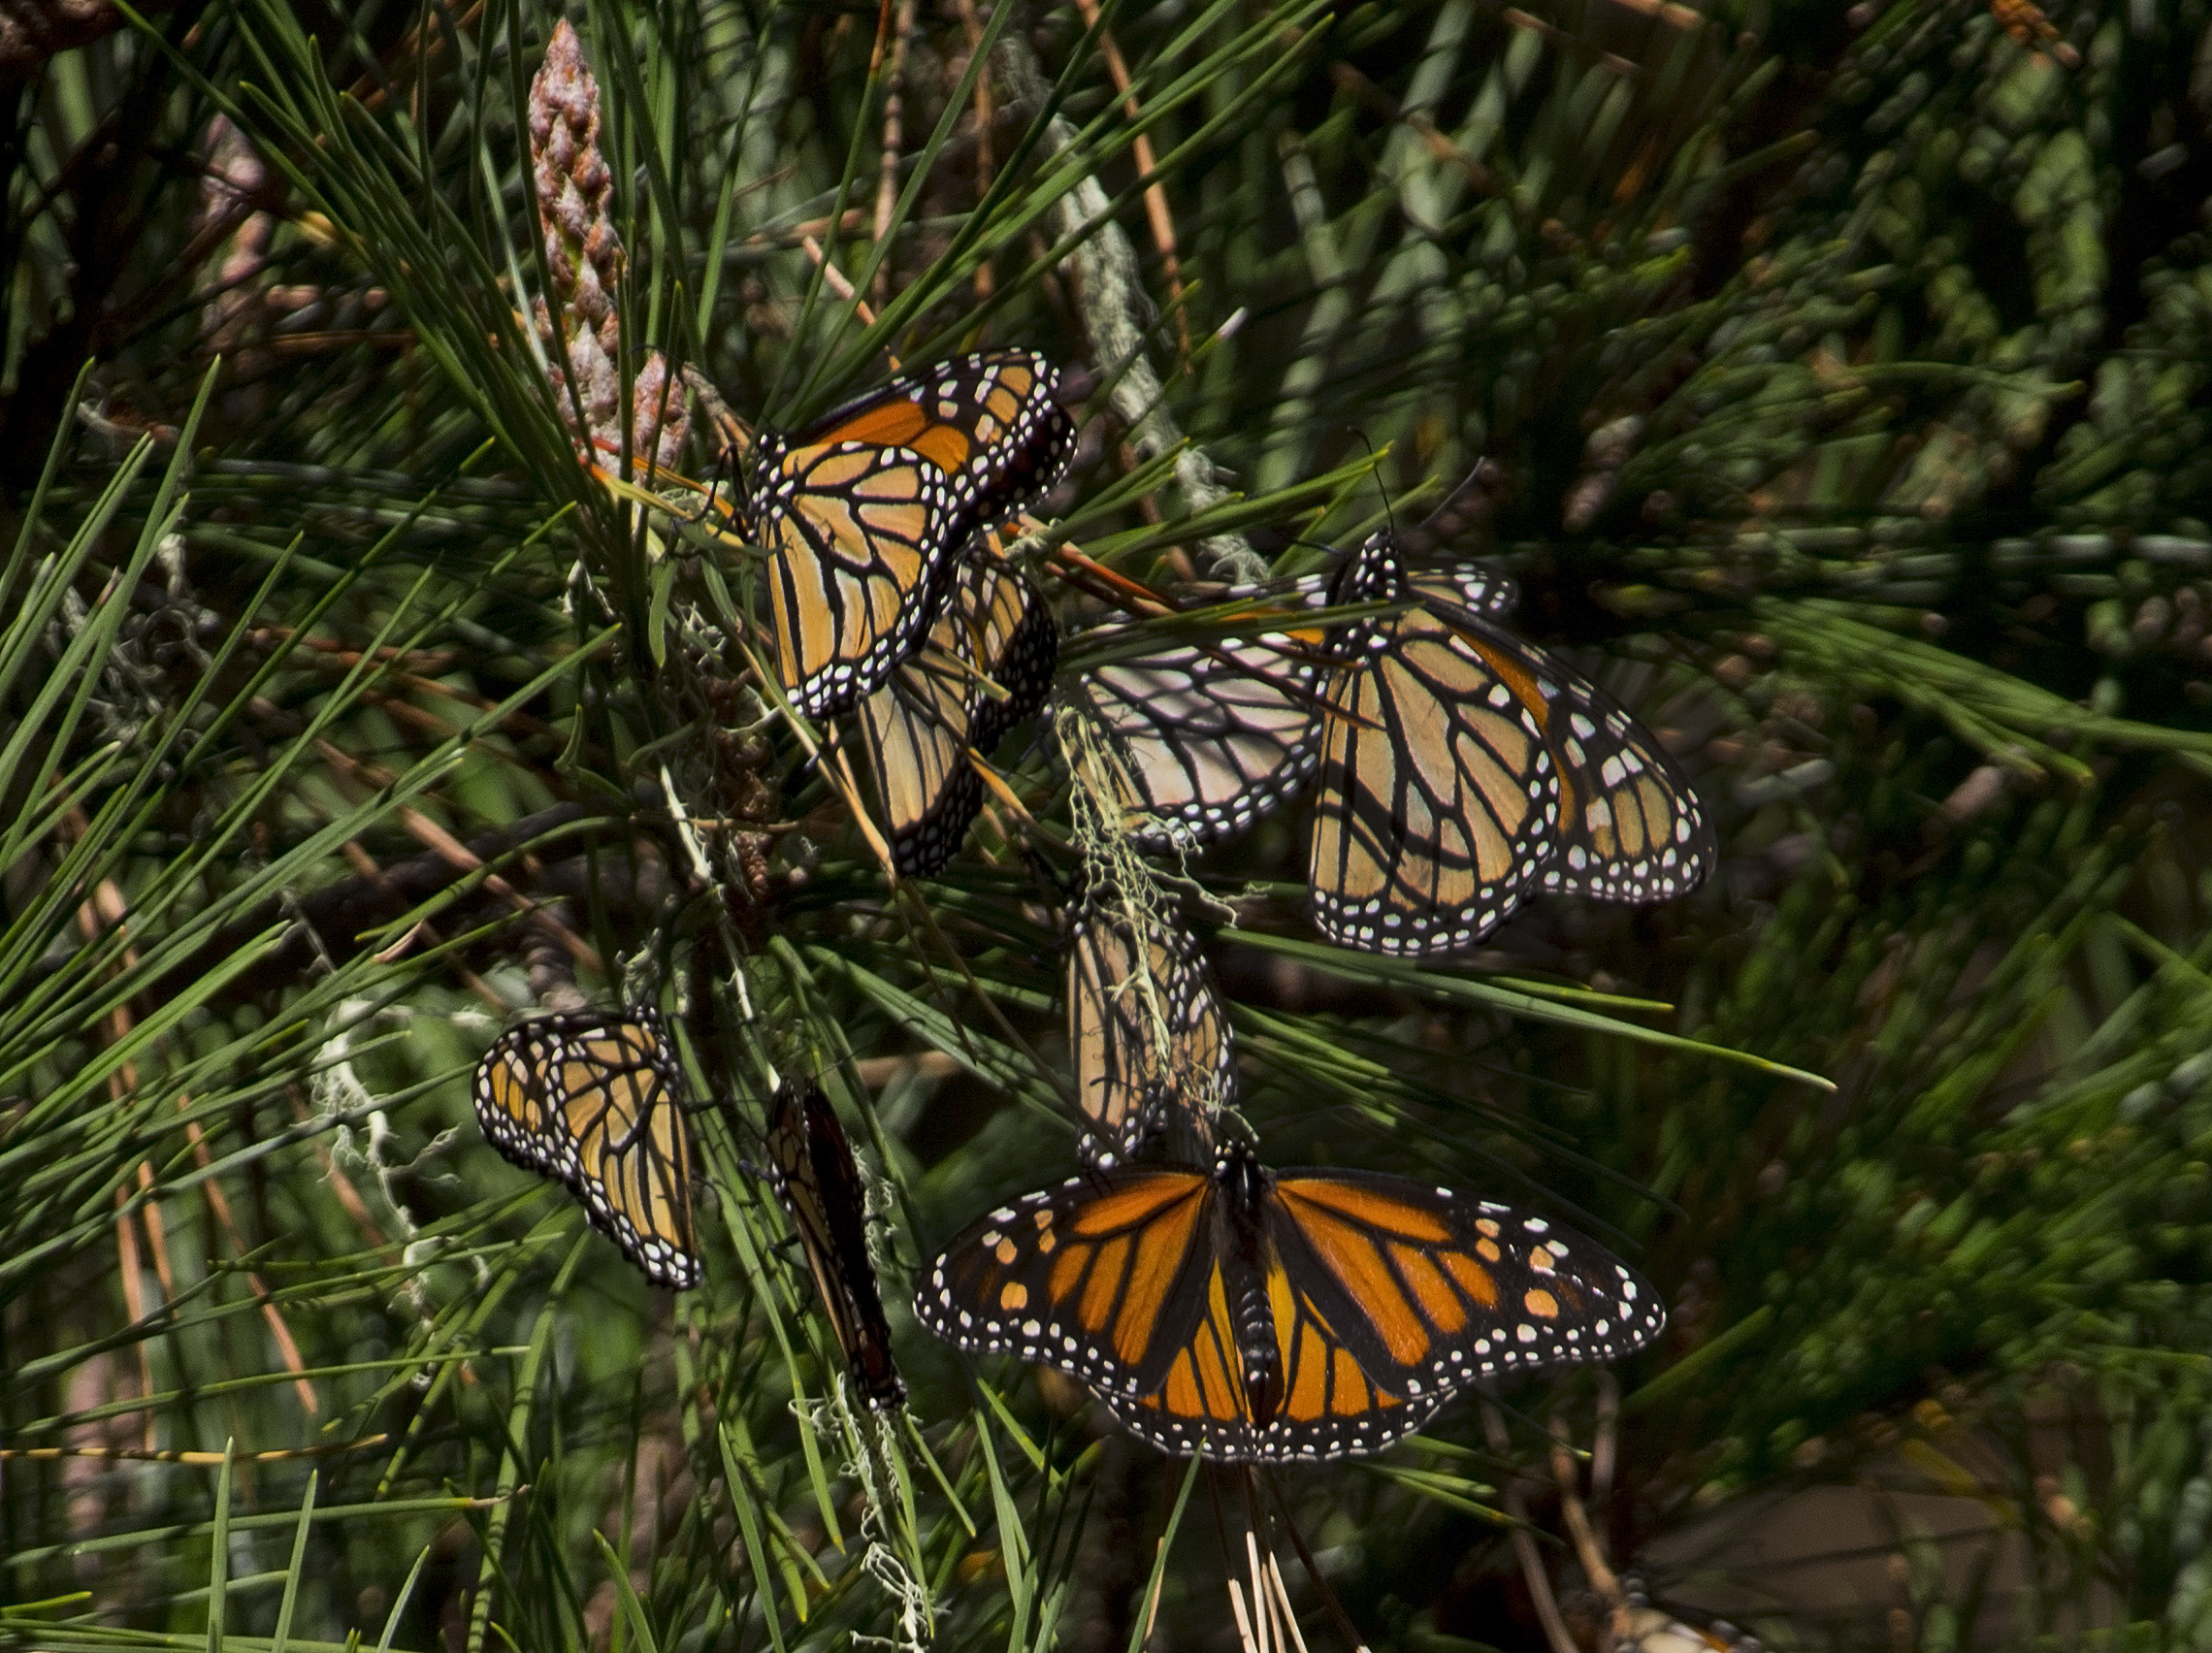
point(821, 1190)
point(1104, 1276)
point(1210, 737)
point(1246, 1315)
point(596, 1102)
point(1464, 769)
point(915, 733)
point(1147, 1033)
point(1439, 798)
point(1007, 633)
point(864, 513)
point(986, 663)
point(1428, 1291)
point(1630, 828)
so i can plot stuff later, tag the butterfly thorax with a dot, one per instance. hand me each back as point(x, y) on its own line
point(1376, 572)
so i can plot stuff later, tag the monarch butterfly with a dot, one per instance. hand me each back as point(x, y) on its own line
point(1655, 1629)
point(1212, 736)
point(1463, 769)
point(1147, 1030)
point(1244, 1313)
point(596, 1102)
point(820, 1187)
point(865, 510)
point(994, 632)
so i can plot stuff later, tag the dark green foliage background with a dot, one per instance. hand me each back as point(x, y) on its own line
point(1847, 374)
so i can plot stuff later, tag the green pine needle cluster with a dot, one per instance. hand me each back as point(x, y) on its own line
point(1849, 373)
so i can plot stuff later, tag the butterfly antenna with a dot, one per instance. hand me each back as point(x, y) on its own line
point(1470, 504)
point(1373, 469)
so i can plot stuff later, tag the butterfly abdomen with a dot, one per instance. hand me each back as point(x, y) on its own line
point(1247, 1267)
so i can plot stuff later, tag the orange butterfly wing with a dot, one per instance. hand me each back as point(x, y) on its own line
point(865, 512)
point(1246, 1315)
point(1102, 1277)
point(986, 664)
point(595, 1103)
point(1149, 1034)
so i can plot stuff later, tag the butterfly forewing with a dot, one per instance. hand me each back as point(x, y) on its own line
point(1439, 800)
point(1212, 736)
point(1101, 1276)
point(597, 1103)
point(858, 539)
point(820, 1185)
point(1430, 1288)
point(1470, 586)
point(988, 421)
point(865, 512)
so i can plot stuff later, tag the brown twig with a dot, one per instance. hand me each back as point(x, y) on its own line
point(986, 164)
point(1524, 1542)
point(1587, 1549)
point(836, 280)
point(457, 856)
point(894, 139)
point(107, 911)
point(1421, 126)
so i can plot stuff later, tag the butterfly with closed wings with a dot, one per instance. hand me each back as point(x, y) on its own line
point(820, 1187)
point(1248, 1314)
point(986, 664)
point(596, 1102)
point(1146, 1029)
point(1146, 1025)
point(867, 510)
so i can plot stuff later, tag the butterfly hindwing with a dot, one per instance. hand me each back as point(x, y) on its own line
point(596, 1102)
point(1010, 636)
point(1631, 827)
point(914, 730)
point(1439, 798)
